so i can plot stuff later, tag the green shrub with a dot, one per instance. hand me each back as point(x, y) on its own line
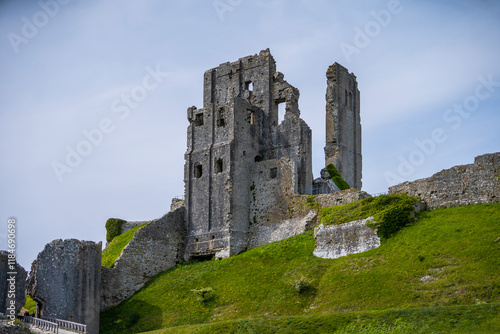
point(336, 178)
point(204, 294)
point(30, 304)
point(394, 218)
point(301, 283)
point(113, 228)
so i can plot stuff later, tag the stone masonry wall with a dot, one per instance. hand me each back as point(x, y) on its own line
point(340, 198)
point(287, 214)
point(477, 183)
point(154, 248)
point(19, 275)
point(272, 214)
point(127, 226)
point(65, 281)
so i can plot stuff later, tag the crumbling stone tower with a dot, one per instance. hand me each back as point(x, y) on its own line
point(343, 124)
point(235, 141)
point(65, 282)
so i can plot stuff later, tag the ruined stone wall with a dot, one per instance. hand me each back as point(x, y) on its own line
point(9, 287)
point(237, 128)
point(278, 212)
point(343, 124)
point(340, 198)
point(154, 248)
point(176, 203)
point(65, 281)
point(273, 214)
point(476, 183)
point(128, 225)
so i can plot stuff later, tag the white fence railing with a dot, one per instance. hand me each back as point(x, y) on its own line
point(42, 324)
point(71, 326)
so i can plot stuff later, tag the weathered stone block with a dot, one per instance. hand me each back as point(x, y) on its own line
point(334, 241)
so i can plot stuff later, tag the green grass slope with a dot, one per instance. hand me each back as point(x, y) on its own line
point(448, 258)
point(115, 247)
point(483, 318)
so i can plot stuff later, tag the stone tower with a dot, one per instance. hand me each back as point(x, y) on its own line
point(343, 124)
point(234, 142)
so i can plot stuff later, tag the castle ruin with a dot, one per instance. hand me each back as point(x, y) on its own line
point(237, 143)
point(343, 124)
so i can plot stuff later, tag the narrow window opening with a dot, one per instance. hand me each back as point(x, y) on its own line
point(281, 112)
point(274, 172)
point(350, 100)
point(218, 166)
point(244, 153)
point(258, 158)
point(198, 121)
point(249, 86)
point(198, 171)
point(251, 117)
point(221, 122)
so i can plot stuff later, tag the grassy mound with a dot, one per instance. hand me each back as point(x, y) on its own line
point(115, 247)
point(391, 213)
point(113, 228)
point(448, 258)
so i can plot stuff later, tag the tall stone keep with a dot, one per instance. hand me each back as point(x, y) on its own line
point(65, 282)
point(235, 142)
point(343, 124)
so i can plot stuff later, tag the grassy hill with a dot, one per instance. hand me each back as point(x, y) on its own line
point(440, 274)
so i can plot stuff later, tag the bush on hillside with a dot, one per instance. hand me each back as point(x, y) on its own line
point(336, 178)
point(113, 228)
point(204, 294)
point(301, 284)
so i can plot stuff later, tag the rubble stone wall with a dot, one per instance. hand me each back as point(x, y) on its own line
point(154, 248)
point(65, 281)
point(477, 183)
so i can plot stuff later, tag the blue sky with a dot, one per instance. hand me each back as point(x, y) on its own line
point(427, 70)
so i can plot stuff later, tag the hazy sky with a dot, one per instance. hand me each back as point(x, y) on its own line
point(94, 95)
